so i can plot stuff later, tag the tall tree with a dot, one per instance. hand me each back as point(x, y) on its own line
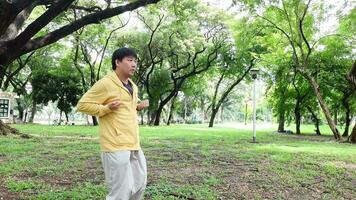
point(293, 19)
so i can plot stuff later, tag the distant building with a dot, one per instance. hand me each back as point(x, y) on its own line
point(7, 101)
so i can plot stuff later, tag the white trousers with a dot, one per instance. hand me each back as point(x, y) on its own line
point(125, 174)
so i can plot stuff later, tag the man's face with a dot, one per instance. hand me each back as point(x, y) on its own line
point(127, 66)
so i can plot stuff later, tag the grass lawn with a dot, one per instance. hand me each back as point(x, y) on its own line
point(184, 161)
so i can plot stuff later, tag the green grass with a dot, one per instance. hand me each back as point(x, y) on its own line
point(63, 162)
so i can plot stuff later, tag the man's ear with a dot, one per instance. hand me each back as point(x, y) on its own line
point(117, 62)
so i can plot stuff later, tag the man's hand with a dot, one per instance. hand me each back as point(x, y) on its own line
point(114, 105)
point(142, 105)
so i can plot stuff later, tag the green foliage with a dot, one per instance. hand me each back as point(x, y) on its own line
point(181, 29)
point(54, 85)
point(17, 186)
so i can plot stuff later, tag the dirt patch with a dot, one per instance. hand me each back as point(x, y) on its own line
point(350, 166)
point(2, 158)
point(5, 194)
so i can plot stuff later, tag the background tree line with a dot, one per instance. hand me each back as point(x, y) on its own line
point(194, 60)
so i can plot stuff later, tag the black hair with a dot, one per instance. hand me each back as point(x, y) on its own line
point(120, 54)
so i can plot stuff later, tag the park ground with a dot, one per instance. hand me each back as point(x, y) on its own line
point(184, 162)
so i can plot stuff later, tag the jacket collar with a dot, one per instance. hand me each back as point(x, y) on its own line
point(112, 75)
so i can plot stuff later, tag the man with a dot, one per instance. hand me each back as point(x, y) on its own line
point(114, 100)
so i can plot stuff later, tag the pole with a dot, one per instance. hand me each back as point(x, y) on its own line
point(254, 110)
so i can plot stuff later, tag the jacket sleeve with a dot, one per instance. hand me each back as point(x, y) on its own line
point(92, 101)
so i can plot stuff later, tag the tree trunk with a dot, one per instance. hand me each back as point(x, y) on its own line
point(152, 116)
point(346, 104)
point(170, 117)
point(317, 130)
point(347, 123)
point(20, 109)
point(222, 113)
point(148, 117)
point(351, 78)
point(25, 117)
point(212, 117)
point(158, 115)
point(352, 137)
point(323, 106)
point(66, 115)
point(335, 117)
point(6, 130)
point(315, 120)
point(141, 114)
point(95, 120)
point(281, 122)
point(33, 111)
point(297, 116)
point(299, 100)
point(164, 115)
point(171, 111)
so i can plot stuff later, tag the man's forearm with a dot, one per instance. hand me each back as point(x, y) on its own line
point(93, 109)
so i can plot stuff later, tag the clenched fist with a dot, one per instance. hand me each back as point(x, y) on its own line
point(142, 105)
point(114, 105)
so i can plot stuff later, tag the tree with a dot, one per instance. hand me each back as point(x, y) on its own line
point(57, 86)
point(348, 30)
point(280, 92)
point(191, 104)
point(294, 21)
point(15, 40)
point(21, 35)
point(235, 61)
point(333, 64)
point(178, 41)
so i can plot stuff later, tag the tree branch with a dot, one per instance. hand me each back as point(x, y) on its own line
point(106, 44)
point(302, 31)
point(88, 19)
point(14, 28)
point(87, 9)
point(40, 22)
point(9, 11)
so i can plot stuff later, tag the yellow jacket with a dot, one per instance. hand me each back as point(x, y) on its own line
point(118, 129)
